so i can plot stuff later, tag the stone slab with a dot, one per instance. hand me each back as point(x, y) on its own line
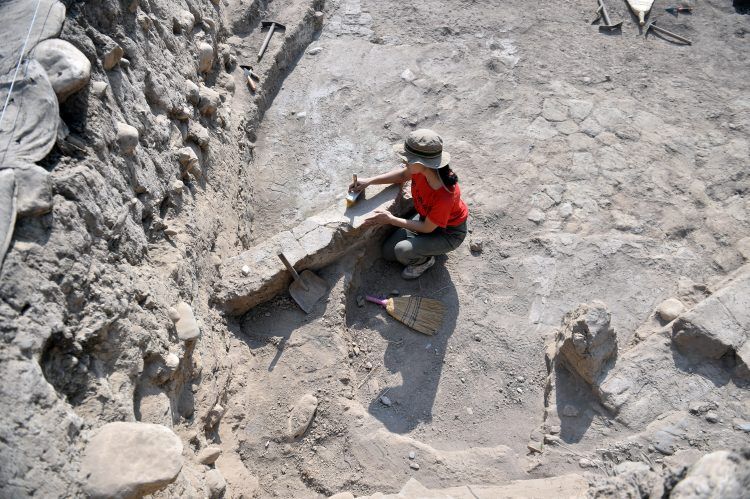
point(718, 323)
point(565, 486)
point(313, 244)
point(128, 460)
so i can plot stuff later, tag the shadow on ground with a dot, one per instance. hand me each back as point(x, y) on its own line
point(412, 362)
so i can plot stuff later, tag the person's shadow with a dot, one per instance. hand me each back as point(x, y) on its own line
point(418, 358)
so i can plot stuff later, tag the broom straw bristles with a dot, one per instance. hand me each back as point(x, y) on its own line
point(421, 314)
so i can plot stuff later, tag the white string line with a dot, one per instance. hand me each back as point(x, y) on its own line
point(20, 59)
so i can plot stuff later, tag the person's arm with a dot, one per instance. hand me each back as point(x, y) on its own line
point(396, 176)
point(382, 217)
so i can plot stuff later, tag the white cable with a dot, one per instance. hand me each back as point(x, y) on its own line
point(20, 59)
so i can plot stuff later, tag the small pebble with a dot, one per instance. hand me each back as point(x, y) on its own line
point(414, 465)
point(395, 292)
point(368, 366)
point(386, 401)
point(519, 390)
point(245, 270)
point(360, 301)
point(412, 455)
point(477, 337)
point(712, 417)
point(476, 246)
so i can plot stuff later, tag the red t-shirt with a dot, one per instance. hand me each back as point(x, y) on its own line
point(444, 208)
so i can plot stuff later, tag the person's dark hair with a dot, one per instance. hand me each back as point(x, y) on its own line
point(448, 176)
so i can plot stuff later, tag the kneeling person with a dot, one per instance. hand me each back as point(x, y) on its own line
point(440, 224)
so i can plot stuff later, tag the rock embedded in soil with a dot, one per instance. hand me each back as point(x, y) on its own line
point(664, 442)
point(67, 68)
point(719, 323)
point(199, 134)
point(554, 110)
point(187, 157)
point(127, 138)
point(670, 309)
point(209, 455)
point(130, 460)
point(216, 483)
point(586, 341)
point(386, 401)
point(209, 102)
point(719, 474)
point(205, 57)
point(183, 22)
point(192, 92)
point(112, 55)
point(565, 210)
point(536, 215)
point(185, 322)
point(700, 407)
point(172, 361)
point(98, 88)
point(34, 195)
point(578, 110)
point(301, 416)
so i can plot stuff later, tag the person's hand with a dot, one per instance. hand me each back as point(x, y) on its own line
point(378, 217)
point(359, 186)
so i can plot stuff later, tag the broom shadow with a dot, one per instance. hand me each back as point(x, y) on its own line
point(416, 357)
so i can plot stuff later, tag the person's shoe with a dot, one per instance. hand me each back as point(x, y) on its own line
point(414, 271)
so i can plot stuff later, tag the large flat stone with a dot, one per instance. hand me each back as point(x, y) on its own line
point(571, 485)
point(718, 323)
point(313, 244)
point(125, 460)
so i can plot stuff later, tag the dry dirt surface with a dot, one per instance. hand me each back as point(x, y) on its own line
point(597, 334)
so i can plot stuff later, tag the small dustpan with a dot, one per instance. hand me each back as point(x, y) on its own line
point(307, 287)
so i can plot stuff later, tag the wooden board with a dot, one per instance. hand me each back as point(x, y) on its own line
point(641, 9)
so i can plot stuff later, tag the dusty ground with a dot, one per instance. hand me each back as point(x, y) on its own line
point(608, 167)
point(638, 136)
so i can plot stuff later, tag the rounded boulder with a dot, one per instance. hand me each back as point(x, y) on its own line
point(67, 68)
point(125, 460)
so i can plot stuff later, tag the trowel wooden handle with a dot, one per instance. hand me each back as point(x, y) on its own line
point(265, 42)
point(677, 37)
point(289, 267)
point(251, 84)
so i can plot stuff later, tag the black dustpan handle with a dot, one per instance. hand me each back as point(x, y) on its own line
point(291, 269)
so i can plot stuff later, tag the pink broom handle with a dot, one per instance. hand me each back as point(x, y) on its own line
point(380, 302)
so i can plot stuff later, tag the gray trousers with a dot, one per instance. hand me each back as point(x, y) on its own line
point(410, 248)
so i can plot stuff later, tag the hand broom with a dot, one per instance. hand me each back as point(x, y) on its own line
point(421, 314)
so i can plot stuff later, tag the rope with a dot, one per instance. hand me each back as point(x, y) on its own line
point(20, 59)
